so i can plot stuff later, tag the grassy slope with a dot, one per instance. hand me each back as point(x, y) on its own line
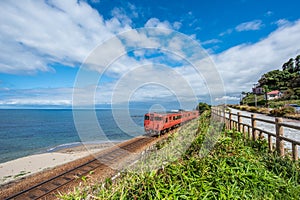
point(234, 169)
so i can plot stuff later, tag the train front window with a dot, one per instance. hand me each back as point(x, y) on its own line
point(157, 118)
point(146, 117)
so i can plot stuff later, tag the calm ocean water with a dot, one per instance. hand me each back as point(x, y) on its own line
point(25, 132)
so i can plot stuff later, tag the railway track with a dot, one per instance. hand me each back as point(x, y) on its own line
point(48, 188)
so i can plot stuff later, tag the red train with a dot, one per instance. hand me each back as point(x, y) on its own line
point(159, 123)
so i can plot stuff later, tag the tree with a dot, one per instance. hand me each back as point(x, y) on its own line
point(286, 80)
point(266, 90)
point(274, 79)
point(297, 63)
point(289, 66)
point(242, 97)
point(201, 107)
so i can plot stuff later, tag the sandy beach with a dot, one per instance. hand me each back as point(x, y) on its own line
point(22, 167)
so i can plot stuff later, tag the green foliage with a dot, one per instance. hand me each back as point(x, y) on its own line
point(234, 169)
point(286, 80)
point(280, 112)
point(21, 173)
point(201, 107)
point(251, 108)
point(250, 100)
point(277, 80)
point(282, 103)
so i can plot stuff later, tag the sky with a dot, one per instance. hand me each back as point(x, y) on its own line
point(64, 53)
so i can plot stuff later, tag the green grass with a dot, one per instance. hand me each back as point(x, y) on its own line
point(21, 173)
point(234, 169)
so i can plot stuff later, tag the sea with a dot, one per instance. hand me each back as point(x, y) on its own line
point(26, 132)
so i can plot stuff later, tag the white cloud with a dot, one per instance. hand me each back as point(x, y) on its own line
point(133, 10)
point(269, 13)
point(37, 33)
point(156, 23)
point(140, 39)
point(212, 41)
point(120, 14)
point(95, 1)
point(227, 32)
point(249, 26)
point(37, 97)
point(282, 22)
point(36, 102)
point(246, 26)
point(228, 98)
point(163, 82)
point(177, 25)
point(241, 66)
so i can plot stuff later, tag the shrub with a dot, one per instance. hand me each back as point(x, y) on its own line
point(264, 110)
point(279, 112)
point(252, 109)
point(201, 107)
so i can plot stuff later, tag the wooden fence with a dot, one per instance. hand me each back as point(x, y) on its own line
point(252, 131)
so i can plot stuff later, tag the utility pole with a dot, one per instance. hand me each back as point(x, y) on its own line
point(254, 91)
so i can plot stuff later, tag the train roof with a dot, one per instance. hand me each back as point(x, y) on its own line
point(172, 112)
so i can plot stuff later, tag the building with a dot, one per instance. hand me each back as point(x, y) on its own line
point(257, 90)
point(275, 94)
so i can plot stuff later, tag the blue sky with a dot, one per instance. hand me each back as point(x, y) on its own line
point(44, 44)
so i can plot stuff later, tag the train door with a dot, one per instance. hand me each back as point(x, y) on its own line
point(152, 121)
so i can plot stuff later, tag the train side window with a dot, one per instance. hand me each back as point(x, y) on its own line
point(174, 118)
point(146, 117)
point(166, 120)
point(170, 118)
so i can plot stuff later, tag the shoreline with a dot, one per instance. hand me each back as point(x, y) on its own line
point(26, 166)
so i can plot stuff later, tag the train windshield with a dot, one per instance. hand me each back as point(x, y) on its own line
point(157, 118)
point(146, 117)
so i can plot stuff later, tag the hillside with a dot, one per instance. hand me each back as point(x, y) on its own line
point(286, 80)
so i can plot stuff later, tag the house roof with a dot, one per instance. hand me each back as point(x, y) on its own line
point(274, 92)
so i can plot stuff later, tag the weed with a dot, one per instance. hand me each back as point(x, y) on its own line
point(22, 173)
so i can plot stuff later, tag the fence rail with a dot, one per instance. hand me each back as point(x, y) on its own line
point(252, 131)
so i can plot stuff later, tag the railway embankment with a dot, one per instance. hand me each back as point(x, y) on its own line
point(234, 168)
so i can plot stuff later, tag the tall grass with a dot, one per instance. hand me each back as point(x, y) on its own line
point(234, 169)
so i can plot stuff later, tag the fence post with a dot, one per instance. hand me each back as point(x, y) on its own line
point(295, 151)
point(248, 131)
point(224, 114)
point(253, 124)
point(239, 121)
point(279, 133)
point(216, 113)
point(270, 143)
point(230, 117)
